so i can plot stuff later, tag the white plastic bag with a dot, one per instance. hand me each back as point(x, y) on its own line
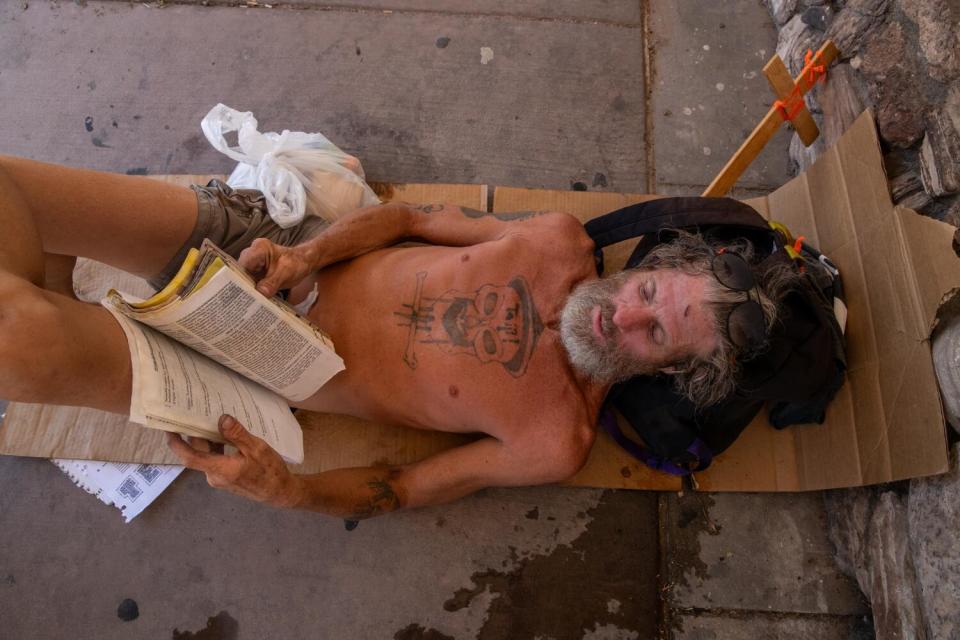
point(299, 173)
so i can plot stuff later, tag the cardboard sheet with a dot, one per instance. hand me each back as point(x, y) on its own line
point(886, 423)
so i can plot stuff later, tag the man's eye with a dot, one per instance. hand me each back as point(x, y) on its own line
point(645, 292)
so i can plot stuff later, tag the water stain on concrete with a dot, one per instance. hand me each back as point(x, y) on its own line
point(400, 149)
point(355, 127)
point(687, 517)
point(442, 42)
point(690, 514)
point(414, 631)
point(220, 627)
point(195, 145)
point(617, 555)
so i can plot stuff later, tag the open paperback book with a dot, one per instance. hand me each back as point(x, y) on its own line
point(209, 343)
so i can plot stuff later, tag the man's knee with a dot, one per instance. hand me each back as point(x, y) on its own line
point(31, 334)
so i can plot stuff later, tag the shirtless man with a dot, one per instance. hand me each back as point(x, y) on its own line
point(462, 334)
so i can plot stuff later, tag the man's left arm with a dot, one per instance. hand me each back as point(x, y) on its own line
point(258, 473)
point(279, 267)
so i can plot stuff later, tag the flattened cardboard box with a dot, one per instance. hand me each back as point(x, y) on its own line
point(885, 424)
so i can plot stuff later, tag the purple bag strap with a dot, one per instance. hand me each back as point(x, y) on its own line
point(698, 448)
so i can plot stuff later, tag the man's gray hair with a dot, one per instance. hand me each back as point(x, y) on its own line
point(706, 381)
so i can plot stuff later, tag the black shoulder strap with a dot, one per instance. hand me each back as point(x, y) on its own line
point(669, 213)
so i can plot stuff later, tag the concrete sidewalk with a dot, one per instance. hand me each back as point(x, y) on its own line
point(597, 94)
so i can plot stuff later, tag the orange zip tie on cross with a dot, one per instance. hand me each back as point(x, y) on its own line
point(794, 102)
point(814, 72)
point(798, 244)
point(789, 109)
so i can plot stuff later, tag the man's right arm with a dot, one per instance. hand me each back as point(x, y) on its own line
point(257, 472)
point(380, 226)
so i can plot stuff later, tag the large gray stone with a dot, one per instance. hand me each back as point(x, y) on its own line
point(938, 22)
point(709, 91)
point(795, 39)
point(940, 151)
point(839, 104)
point(933, 511)
point(869, 528)
point(766, 552)
point(889, 67)
point(802, 157)
point(945, 345)
point(782, 10)
point(559, 101)
point(839, 98)
point(623, 11)
point(854, 24)
point(906, 189)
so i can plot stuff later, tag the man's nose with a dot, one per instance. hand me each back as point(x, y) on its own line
point(632, 316)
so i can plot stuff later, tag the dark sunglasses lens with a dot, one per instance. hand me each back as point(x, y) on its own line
point(733, 272)
point(746, 326)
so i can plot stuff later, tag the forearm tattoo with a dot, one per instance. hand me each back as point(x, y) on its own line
point(495, 323)
point(382, 498)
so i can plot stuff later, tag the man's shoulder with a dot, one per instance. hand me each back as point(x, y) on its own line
point(556, 425)
point(553, 230)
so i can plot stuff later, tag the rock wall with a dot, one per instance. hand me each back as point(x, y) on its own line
point(901, 58)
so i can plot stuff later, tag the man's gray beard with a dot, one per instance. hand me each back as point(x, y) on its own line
point(604, 362)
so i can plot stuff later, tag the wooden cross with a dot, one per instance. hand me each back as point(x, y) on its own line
point(789, 107)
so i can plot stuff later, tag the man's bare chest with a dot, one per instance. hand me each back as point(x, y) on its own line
point(443, 332)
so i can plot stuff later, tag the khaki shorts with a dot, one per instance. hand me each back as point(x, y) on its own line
point(232, 219)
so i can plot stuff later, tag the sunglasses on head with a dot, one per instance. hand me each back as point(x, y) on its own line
point(746, 325)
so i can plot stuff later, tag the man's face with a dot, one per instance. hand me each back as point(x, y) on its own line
point(637, 323)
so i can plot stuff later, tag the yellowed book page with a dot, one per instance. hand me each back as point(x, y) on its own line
point(176, 389)
point(229, 321)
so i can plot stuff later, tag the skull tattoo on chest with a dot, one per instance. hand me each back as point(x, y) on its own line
point(495, 323)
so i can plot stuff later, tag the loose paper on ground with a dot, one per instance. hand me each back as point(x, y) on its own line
point(130, 487)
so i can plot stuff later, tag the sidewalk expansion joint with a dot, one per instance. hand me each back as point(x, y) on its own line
point(646, 40)
point(344, 8)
